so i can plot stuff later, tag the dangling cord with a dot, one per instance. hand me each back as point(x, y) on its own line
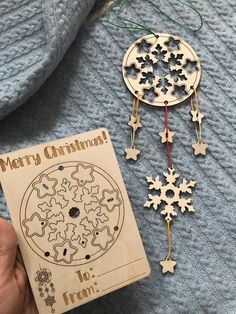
point(168, 257)
point(134, 123)
point(170, 165)
point(135, 117)
point(197, 116)
point(168, 138)
point(123, 22)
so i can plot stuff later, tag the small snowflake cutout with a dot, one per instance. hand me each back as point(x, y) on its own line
point(170, 194)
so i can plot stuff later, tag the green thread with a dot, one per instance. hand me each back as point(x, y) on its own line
point(122, 21)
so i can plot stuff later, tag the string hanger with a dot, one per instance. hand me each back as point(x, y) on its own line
point(118, 7)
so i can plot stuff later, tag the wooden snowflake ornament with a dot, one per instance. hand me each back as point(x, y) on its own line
point(170, 194)
point(163, 70)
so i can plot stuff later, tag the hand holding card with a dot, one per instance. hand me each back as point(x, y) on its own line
point(73, 219)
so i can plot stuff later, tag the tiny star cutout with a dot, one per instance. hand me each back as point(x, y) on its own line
point(197, 116)
point(168, 266)
point(200, 148)
point(143, 46)
point(167, 135)
point(132, 153)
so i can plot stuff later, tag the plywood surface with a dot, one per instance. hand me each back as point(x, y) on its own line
point(73, 219)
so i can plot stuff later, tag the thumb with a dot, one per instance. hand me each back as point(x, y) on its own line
point(8, 243)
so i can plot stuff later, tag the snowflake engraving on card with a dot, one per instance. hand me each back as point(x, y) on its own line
point(72, 213)
point(46, 287)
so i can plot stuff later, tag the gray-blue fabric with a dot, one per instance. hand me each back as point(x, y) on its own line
point(86, 91)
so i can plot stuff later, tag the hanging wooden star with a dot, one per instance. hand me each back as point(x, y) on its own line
point(134, 122)
point(168, 265)
point(167, 135)
point(197, 116)
point(132, 153)
point(200, 148)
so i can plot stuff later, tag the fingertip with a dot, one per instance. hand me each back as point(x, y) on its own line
point(8, 238)
point(20, 275)
point(8, 244)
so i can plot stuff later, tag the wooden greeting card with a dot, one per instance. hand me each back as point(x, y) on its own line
point(73, 219)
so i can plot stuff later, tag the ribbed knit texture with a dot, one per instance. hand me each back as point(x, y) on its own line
point(34, 35)
point(87, 91)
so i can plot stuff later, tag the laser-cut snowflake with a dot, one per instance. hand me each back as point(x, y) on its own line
point(96, 215)
point(170, 194)
point(46, 288)
point(77, 233)
point(161, 68)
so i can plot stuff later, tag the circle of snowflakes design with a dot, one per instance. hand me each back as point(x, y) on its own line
point(72, 213)
point(161, 69)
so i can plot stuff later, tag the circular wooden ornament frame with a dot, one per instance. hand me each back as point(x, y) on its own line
point(164, 66)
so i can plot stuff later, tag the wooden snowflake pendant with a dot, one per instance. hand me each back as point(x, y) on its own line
point(169, 194)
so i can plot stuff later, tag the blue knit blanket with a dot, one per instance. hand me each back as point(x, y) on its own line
point(86, 91)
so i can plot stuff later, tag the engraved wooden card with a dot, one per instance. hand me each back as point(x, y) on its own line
point(74, 222)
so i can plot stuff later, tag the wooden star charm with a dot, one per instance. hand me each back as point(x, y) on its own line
point(132, 153)
point(168, 266)
point(166, 135)
point(197, 116)
point(200, 148)
point(134, 122)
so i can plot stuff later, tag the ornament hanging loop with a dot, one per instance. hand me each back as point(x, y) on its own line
point(123, 22)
